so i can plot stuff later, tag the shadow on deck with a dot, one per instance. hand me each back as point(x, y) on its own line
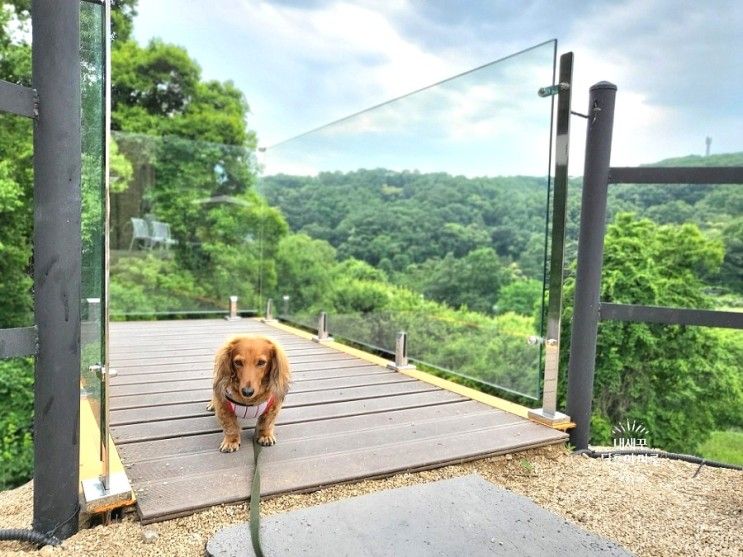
point(344, 419)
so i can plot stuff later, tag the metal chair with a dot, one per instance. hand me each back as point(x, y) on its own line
point(141, 233)
point(161, 235)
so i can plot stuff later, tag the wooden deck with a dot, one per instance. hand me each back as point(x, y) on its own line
point(344, 419)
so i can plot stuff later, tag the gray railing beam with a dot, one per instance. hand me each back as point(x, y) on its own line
point(711, 175)
point(21, 341)
point(670, 316)
point(18, 100)
point(590, 258)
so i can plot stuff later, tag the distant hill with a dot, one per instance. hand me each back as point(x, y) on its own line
point(393, 220)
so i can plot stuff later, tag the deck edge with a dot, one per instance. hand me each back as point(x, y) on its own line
point(490, 400)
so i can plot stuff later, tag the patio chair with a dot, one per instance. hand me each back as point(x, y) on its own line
point(161, 235)
point(140, 233)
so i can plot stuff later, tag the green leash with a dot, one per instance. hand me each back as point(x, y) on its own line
point(255, 502)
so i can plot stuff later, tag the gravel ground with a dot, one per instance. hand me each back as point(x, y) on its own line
point(650, 508)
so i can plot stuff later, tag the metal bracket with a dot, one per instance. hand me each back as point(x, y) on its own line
point(100, 371)
point(97, 498)
point(553, 90)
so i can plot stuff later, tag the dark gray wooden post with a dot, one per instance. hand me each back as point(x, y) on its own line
point(57, 264)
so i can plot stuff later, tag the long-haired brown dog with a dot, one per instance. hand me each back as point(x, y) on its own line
point(251, 379)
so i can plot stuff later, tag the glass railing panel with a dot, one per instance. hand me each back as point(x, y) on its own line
point(433, 205)
point(187, 228)
point(93, 187)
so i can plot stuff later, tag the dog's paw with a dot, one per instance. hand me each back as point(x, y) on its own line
point(267, 440)
point(210, 407)
point(228, 446)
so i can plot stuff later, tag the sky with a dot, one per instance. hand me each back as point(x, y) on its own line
point(304, 63)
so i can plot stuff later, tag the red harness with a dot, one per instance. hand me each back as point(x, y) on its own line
point(245, 411)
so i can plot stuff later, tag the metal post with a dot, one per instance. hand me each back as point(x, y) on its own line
point(548, 414)
point(269, 312)
point(401, 353)
point(322, 329)
point(233, 316)
point(106, 410)
point(590, 259)
point(57, 264)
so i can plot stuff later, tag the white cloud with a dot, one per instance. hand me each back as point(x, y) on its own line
point(677, 64)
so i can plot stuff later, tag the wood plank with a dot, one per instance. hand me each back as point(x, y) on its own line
point(154, 377)
point(297, 385)
point(208, 360)
point(314, 397)
point(209, 338)
point(159, 499)
point(302, 440)
point(152, 414)
point(193, 349)
point(295, 366)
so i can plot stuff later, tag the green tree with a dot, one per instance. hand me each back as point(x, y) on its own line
point(473, 281)
point(731, 272)
point(304, 268)
point(520, 297)
point(676, 380)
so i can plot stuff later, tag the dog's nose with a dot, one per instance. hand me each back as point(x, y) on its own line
point(247, 391)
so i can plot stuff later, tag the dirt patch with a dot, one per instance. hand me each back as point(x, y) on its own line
point(652, 508)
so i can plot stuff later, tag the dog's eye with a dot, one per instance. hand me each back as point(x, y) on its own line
point(261, 363)
point(238, 362)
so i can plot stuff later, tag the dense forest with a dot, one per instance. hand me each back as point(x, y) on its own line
point(456, 262)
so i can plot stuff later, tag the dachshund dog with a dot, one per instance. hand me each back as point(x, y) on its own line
point(251, 379)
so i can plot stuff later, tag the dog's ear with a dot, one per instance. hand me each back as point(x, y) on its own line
point(280, 375)
point(223, 362)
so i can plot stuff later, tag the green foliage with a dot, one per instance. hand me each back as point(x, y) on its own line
point(200, 151)
point(15, 250)
point(304, 268)
point(16, 421)
point(472, 281)
point(157, 90)
point(732, 265)
point(152, 284)
point(394, 219)
point(678, 381)
point(520, 297)
point(724, 446)
point(715, 209)
point(123, 13)
point(16, 175)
